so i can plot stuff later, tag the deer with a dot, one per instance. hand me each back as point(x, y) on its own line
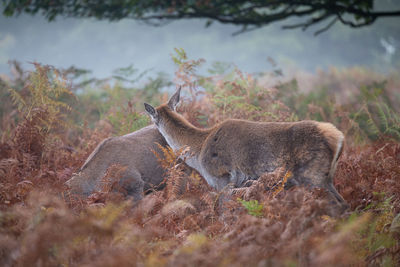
point(135, 151)
point(236, 152)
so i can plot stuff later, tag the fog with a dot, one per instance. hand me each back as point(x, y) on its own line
point(102, 46)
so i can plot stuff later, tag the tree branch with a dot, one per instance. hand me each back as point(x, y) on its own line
point(248, 14)
point(355, 25)
point(327, 27)
point(305, 25)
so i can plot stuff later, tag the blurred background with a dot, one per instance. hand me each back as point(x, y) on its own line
point(103, 46)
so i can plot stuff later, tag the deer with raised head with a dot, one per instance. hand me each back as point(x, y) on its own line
point(133, 151)
point(239, 151)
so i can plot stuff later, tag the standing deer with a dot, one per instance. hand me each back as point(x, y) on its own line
point(238, 151)
point(133, 151)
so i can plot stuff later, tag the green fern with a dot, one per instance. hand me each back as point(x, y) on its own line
point(17, 99)
point(252, 207)
point(180, 56)
point(45, 91)
point(125, 121)
point(376, 118)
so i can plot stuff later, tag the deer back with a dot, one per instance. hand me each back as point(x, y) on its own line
point(134, 151)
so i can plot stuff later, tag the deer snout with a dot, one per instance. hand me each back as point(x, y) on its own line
point(78, 184)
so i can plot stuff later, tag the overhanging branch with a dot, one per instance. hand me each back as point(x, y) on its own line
point(248, 14)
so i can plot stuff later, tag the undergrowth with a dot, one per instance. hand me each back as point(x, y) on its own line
point(54, 125)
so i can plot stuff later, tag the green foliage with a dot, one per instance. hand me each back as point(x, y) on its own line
point(127, 120)
point(180, 56)
point(316, 105)
point(100, 99)
point(376, 117)
point(45, 91)
point(238, 95)
point(252, 206)
point(373, 235)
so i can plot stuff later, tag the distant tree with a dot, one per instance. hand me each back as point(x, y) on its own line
point(248, 14)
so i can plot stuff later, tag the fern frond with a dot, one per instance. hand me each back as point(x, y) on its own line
point(167, 158)
point(175, 177)
point(208, 199)
point(17, 99)
point(281, 185)
point(394, 133)
point(382, 110)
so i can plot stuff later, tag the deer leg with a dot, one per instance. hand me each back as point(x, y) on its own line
point(339, 199)
point(133, 184)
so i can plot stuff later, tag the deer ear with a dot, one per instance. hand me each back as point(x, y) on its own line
point(174, 100)
point(150, 110)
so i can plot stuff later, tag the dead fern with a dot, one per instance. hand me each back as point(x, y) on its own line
point(111, 188)
point(42, 110)
point(281, 185)
point(168, 157)
point(267, 185)
point(45, 88)
point(112, 177)
point(175, 176)
point(189, 224)
point(29, 136)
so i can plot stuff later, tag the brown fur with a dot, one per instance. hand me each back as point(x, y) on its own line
point(236, 151)
point(332, 135)
point(134, 151)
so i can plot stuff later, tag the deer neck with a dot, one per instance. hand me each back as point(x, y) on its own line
point(178, 133)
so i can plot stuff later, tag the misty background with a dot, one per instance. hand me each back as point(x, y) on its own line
point(102, 46)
